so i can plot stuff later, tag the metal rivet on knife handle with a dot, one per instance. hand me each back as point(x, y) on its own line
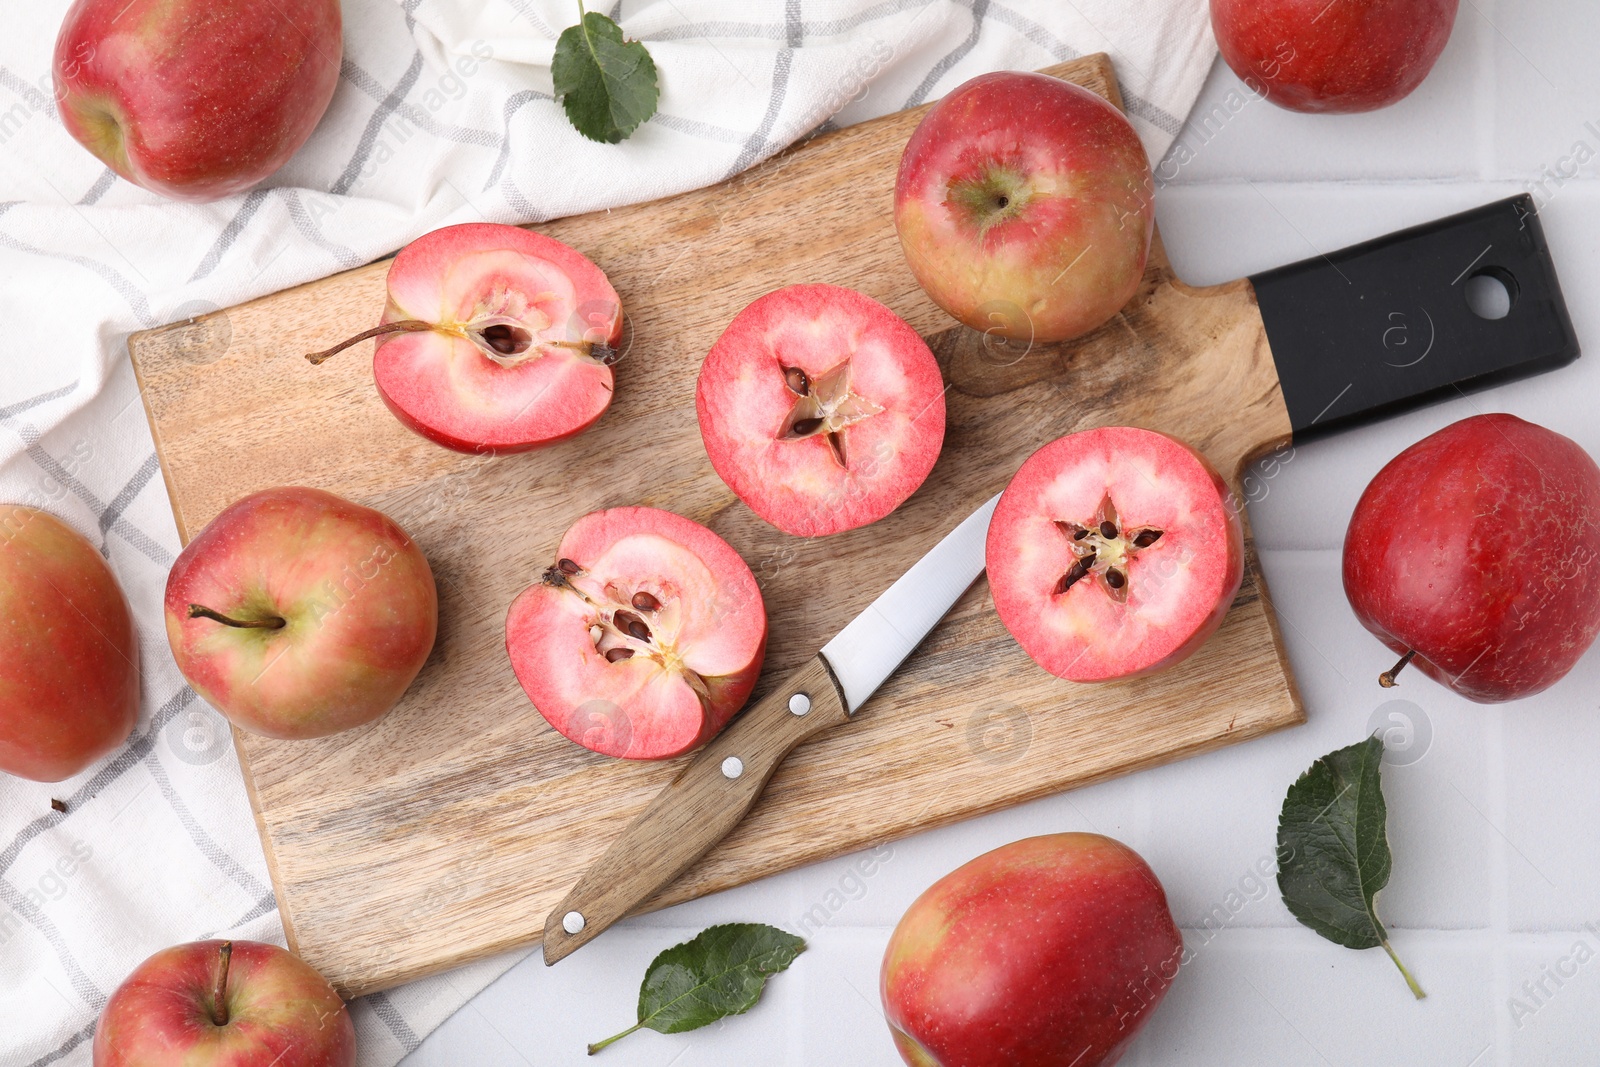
point(732, 767)
point(799, 704)
point(572, 922)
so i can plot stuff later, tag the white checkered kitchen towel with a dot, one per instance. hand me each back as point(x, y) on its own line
point(443, 115)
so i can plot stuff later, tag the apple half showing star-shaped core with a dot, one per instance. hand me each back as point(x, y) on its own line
point(821, 409)
point(1113, 553)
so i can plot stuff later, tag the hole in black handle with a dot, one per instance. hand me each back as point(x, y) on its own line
point(1491, 293)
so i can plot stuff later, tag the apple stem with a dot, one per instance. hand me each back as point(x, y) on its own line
point(1386, 679)
point(595, 350)
point(598, 1045)
point(403, 326)
point(219, 988)
point(273, 622)
point(1416, 990)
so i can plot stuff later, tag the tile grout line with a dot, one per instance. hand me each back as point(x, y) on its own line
point(1397, 182)
point(1500, 883)
point(1494, 734)
point(1485, 95)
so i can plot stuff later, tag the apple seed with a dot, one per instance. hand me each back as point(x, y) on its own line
point(632, 625)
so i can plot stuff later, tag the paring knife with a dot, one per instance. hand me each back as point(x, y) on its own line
point(1357, 334)
point(722, 783)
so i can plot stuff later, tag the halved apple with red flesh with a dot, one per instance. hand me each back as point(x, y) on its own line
point(1113, 553)
point(821, 408)
point(643, 638)
point(494, 339)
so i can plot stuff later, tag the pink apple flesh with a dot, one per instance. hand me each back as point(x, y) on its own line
point(332, 611)
point(274, 1011)
point(643, 638)
point(1024, 206)
point(821, 409)
point(495, 339)
point(1113, 553)
point(69, 677)
point(196, 99)
point(1051, 952)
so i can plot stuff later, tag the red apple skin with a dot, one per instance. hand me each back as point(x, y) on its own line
point(1067, 247)
point(69, 655)
point(196, 99)
point(1354, 55)
point(1479, 547)
point(360, 607)
point(1050, 952)
point(281, 1013)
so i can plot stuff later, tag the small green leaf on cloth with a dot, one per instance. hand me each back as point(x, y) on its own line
point(720, 972)
point(606, 84)
point(1333, 849)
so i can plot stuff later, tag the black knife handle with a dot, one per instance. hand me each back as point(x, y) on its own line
point(1383, 326)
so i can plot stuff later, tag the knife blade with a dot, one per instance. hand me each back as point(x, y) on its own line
point(719, 786)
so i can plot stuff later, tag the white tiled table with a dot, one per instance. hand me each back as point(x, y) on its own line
point(1497, 866)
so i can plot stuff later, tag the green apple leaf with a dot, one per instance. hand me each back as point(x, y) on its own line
point(721, 972)
point(607, 85)
point(1333, 849)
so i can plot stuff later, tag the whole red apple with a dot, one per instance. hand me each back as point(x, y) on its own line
point(1475, 554)
point(224, 1004)
point(1024, 207)
point(1349, 55)
point(196, 99)
point(69, 677)
point(1049, 952)
point(298, 614)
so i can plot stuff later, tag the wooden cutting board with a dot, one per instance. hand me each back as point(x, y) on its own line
point(446, 831)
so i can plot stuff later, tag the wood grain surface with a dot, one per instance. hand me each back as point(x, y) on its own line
point(448, 830)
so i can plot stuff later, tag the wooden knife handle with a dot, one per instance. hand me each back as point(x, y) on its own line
point(699, 808)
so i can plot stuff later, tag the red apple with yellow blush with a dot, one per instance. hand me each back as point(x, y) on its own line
point(1050, 952)
point(297, 613)
point(1024, 206)
point(69, 655)
point(224, 1004)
